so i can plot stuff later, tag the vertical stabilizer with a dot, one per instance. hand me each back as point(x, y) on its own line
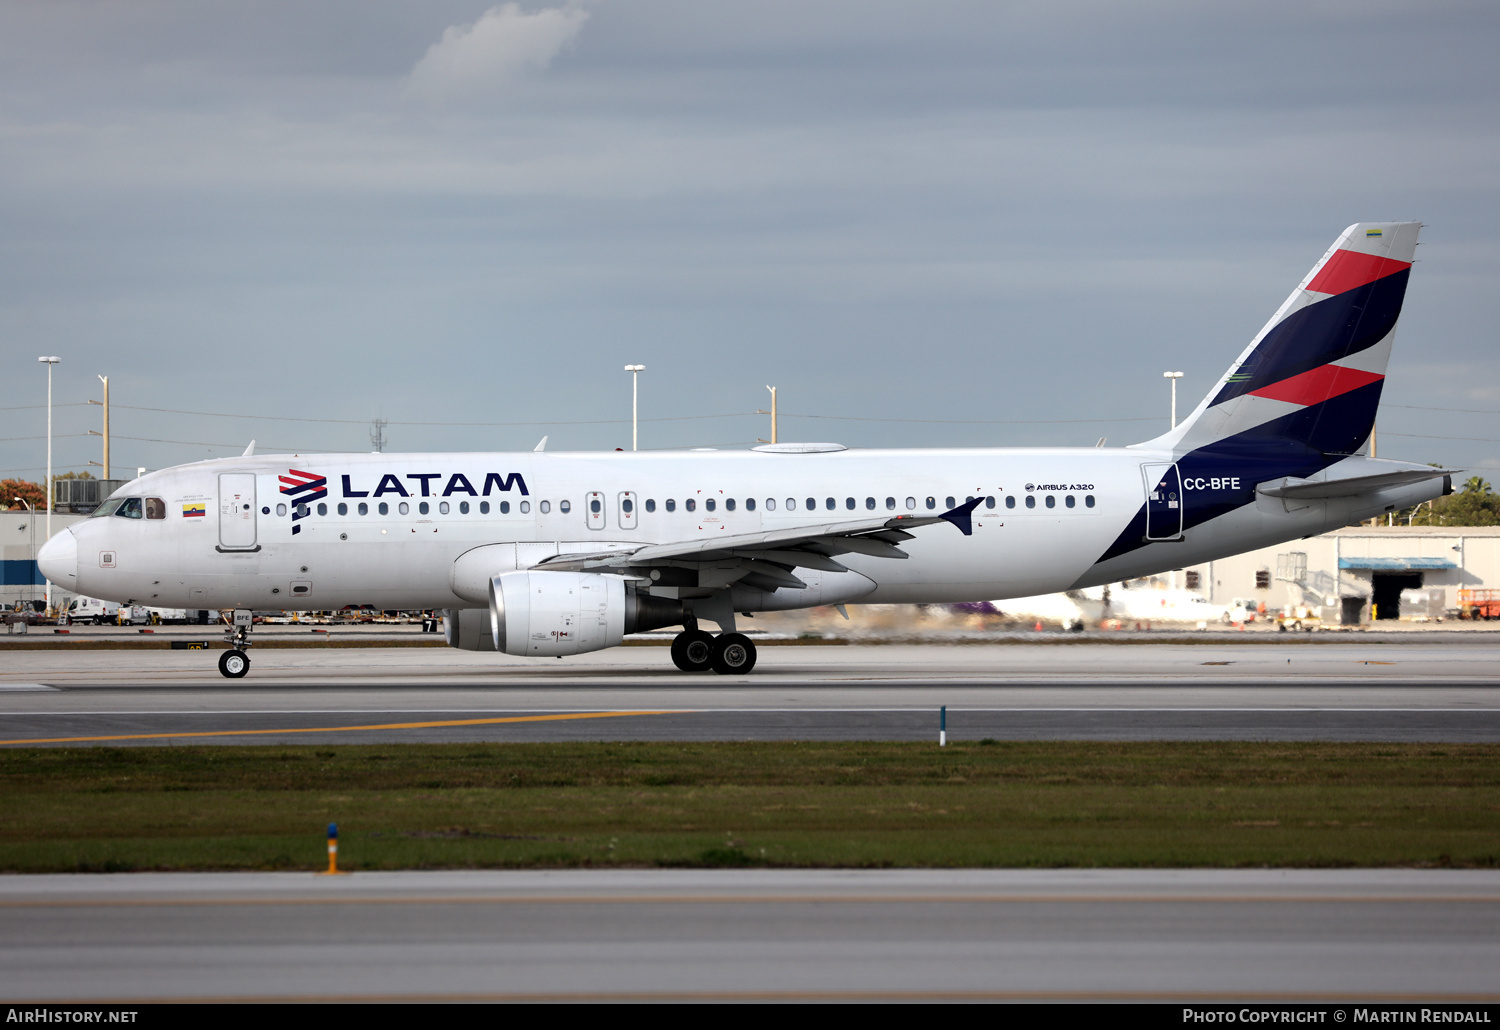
point(1311, 379)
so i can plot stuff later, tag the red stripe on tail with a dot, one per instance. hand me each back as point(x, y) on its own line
point(1348, 269)
point(1318, 385)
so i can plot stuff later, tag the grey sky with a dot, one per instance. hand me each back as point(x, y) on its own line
point(944, 211)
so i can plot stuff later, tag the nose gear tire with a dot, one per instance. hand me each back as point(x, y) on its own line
point(234, 664)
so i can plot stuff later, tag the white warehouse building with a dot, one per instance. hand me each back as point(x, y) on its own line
point(1361, 573)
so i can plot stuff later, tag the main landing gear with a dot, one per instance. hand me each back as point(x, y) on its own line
point(728, 654)
point(234, 663)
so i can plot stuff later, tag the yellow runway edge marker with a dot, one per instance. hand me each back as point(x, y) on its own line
point(333, 851)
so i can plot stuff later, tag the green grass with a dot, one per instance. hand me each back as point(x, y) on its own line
point(774, 804)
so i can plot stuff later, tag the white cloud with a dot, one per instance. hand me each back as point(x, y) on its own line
point(473, 61)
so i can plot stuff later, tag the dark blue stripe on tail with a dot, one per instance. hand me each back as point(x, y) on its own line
point(1320, 333)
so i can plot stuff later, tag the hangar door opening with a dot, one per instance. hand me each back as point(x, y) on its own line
point(1386, 595)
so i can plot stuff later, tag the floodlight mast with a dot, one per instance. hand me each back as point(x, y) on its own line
point(635, 396)
point(49, 362)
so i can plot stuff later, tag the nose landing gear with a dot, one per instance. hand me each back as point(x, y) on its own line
point(727, 654)
point(234, 663)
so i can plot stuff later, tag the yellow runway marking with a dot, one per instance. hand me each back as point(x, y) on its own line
point(349, 729)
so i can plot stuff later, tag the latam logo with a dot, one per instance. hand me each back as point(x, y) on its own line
point(303, 487)
point(390, 485)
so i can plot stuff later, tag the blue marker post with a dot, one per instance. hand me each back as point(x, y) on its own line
point(943, 726)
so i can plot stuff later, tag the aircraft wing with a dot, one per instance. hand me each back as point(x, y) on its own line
point(769, 556)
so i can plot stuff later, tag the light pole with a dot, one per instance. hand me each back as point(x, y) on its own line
point(32, 512)
point(105, 381)
point(49, 362)
point(773, 412)
point(1174, 376)
point(635, 398)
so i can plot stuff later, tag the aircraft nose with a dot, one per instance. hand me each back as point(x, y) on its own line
point(58, 559)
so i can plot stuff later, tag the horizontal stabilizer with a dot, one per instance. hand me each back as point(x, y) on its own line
point(1347, 486)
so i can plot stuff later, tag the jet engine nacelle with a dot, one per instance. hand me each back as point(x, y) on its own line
point(551, 614)
point(468, 629)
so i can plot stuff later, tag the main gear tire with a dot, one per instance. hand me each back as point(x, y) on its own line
point(693, 650)
point(733, 654)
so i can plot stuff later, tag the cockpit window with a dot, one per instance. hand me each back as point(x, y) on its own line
point(107, 508)
point(130, 508)
point(156, 508)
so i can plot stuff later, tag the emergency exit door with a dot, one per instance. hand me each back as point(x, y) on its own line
point(1163, 502)
point(237, 512)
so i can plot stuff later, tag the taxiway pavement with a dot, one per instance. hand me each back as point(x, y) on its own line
point(1165, 935)
point(1363, 690)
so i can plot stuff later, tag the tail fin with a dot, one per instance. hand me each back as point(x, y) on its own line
point(1312, 377)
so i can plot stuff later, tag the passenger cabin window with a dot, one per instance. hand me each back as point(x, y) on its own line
point(911, 502)
point(463, 507)
point(690, 504)
point(567, 506)
point(156, 508)
point(364, 509)
point(650, 504)
point(729, 504)
point(890, 504)
point(525, 507)
point(484, 507)
point(951, 504)
point(932, 502)
point(1051, 501)
point(384, 509)
point(423, 508)
point(281, 509)
point(322, 509)
point(869, 504)
point(1069, 501)
point(1088, 500)
point(442, 507)
point(545, 507)
point(989, 502)
point(671, 504)
point(1030, 501)
point(849, 503)
point(130, 508)
point(343, 508)
point(750, 504)
point(1010, 502)
point(709, 504)
point(403, 508)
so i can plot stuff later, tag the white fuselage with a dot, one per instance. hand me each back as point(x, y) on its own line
point(227, 539)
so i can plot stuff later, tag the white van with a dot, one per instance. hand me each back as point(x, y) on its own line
point(91, 609)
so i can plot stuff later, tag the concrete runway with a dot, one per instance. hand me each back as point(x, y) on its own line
point(1365, 690)
point(1163, 935)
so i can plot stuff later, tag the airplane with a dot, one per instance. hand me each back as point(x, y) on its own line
point(550, 554)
